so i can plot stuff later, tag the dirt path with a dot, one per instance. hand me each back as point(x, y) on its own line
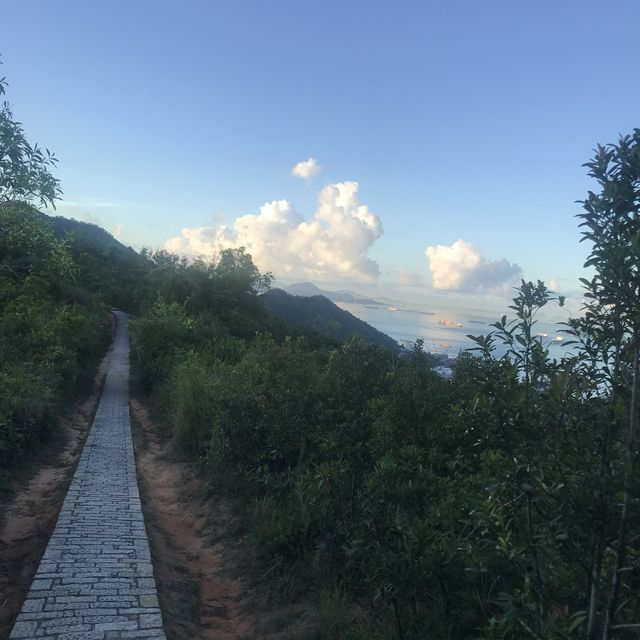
point(197, 545)
point(29, 518)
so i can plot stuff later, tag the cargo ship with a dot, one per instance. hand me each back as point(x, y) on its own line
point(450, 323)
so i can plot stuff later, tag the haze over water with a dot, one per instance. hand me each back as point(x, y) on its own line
point(438, 327)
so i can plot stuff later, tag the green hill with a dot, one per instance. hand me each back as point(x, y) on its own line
point(322, 315)
point(111, 271)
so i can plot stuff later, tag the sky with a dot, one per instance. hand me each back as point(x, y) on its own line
point(412, 148)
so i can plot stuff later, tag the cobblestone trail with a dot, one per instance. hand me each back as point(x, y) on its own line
point(95, 579)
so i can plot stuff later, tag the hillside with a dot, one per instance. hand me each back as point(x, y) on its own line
point(320, 314)
point(90, 236)
point(111, 271)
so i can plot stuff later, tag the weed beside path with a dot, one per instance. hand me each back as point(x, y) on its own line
point(199, 547)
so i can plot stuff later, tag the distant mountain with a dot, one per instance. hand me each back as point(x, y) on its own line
point(320, 314)
point(305, 289)
point(308, 289)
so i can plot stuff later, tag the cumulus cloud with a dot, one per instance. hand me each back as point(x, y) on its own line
point(333, 244)
point(306, 169)
point(461, 267)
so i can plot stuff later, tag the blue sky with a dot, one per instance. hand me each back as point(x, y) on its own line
point(459, 121)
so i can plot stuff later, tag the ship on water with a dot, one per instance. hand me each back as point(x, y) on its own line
point(450, 323)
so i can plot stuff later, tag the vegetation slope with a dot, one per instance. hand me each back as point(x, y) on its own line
point(322, 315)
point(500, 504)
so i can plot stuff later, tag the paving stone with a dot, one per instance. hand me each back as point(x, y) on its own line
point(154, 634)
point(148, 601)
point(150, 620)
point(24, 629)
point(95, 580)
point(34, 605)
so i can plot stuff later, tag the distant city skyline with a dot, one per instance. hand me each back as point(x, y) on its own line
point(410, 148)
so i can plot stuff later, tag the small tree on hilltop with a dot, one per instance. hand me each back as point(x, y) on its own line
point(24, 169)
point(611, 224)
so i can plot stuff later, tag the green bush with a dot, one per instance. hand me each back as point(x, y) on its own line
point(48, 344)
point(159, 339)
point(194, 391)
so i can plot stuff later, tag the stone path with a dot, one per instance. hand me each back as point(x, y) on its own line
point(95, 579)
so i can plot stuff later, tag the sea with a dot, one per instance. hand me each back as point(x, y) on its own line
point(446, 331)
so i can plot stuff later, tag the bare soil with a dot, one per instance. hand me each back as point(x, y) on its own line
point(28, 513)
point(199, 547)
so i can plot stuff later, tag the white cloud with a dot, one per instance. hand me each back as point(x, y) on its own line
point(333, 244)
point(461, 267)
point(306, 169)
point(118, 230)
point(89, 202)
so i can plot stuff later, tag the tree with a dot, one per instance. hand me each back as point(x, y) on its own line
point(236, 265)
point(24, 169)
point(611, 224)
point(28, 245)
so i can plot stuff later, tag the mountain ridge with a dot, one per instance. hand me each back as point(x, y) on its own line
point(324, 316)
point(309, 289)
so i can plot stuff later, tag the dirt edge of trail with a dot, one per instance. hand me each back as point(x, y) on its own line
point(199, 548)
point(30, 513)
